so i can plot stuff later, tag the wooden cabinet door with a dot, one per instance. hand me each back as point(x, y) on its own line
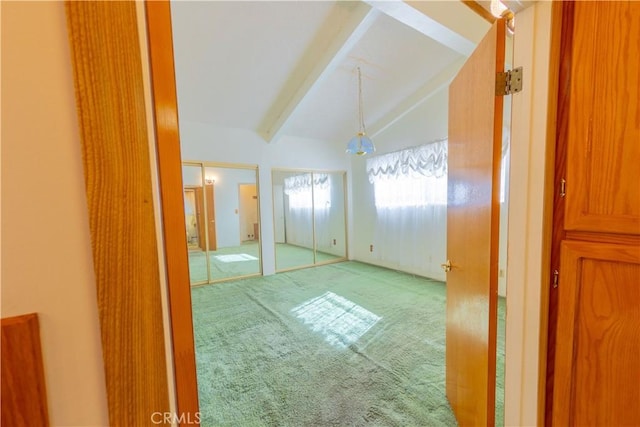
point(597, 368)
point(603, 158)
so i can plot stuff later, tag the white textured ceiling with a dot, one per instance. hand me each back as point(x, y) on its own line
point(288, 67)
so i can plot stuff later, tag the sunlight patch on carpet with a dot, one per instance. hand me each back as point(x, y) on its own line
point(341, 321)
point(235, 257)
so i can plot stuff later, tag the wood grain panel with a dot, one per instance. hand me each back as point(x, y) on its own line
point(603, 178)
point(107, 68)
point(475, 142)
point(170, 172)
point(597, 336)
point(591, 236)
point(24, 395)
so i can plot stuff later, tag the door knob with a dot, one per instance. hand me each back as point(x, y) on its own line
point(446, 266)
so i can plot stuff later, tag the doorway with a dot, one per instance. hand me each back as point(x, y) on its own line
point(248, 212)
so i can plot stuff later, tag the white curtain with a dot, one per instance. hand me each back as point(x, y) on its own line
point(322, 205)
point(302, 183)
point(428, 160)
point(304, 193)
point(410, 188)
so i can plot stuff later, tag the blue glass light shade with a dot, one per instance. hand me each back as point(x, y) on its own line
point(360, 144)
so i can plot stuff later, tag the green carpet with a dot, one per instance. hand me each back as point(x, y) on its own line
point(292, 256)
point(222, 263)
point(344, 344)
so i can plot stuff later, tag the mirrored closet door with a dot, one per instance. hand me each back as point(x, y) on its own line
point(222, 221)
point(309, 218)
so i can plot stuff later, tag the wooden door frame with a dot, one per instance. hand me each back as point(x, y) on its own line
point(165, 106)
point(564, 14)
point(109, 72)
point(537, 49)
point(110, 98)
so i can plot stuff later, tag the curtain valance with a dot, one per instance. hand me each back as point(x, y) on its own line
point(302, 183)
point(424, 160)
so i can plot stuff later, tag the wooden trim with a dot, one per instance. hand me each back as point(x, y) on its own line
point(563, 18)
point(163, 87)
point(107, 68)
point(24, 394)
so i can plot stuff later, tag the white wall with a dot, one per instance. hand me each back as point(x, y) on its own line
point(426, 123)
point(227, 201)
point(46, 250)
point(204, 142)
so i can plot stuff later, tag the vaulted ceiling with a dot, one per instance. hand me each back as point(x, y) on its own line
point(289, 67)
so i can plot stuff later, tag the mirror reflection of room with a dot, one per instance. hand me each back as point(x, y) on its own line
point(221, 222)
point(309, 218)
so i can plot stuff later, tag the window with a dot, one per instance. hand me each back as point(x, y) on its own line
point(408, 191)
point(300, 191)
point(412, 177)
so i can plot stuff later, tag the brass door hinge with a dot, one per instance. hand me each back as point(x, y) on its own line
point(509, 82)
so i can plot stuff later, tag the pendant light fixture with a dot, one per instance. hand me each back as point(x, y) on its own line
point(360, 144)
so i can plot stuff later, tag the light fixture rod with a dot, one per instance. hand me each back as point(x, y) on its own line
point(360, 111)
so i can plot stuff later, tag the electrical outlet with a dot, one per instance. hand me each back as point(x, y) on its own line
point(334, 242)
point(370, 248)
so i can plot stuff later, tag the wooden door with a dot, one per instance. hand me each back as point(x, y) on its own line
point(206, 223)
point(594, 314)
point(475, 141)
point(597, 375)
point(200, 219)
point(211, 217)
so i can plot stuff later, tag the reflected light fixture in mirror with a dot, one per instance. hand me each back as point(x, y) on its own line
point(360, 144)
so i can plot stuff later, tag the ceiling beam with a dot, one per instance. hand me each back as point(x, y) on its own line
point(451, 24)
point(477, 8)
point(439, 81)
point(319, 63)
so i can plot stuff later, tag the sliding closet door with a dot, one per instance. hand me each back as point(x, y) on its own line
point(328, 217)
point(195, 222)
point(309, 218)
point(473, 221)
